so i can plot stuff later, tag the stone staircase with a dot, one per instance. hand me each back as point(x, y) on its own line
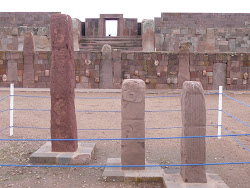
point(120, 43)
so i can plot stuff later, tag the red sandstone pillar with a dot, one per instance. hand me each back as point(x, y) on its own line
point(63, 117)
point(133, 123)
point(28, 61)
point(193, 150)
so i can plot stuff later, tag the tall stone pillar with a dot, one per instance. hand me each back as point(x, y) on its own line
point(193, 150)
point(148, 35)
point(63, 117)
point(219, 75)
point(106, 68)
point(133, 123)
point(28, 61)
point(183, 72)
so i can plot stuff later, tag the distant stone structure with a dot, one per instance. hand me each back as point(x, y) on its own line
point(218, 50)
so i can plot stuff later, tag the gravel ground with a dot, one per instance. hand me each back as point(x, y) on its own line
point(224, 150)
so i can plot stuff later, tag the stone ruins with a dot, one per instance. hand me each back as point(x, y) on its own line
point(216, 50)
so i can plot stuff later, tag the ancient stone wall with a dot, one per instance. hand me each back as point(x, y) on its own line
point(159, 70)
point(28, 19)
point(205, 32)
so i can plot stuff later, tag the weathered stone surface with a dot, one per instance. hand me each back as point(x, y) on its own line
point(63, 117)
point(12, 71)
point(219, 75)
point(28, 56)
point(106, 73)
point(42, 43)
point(133, 123)
point(183, 73)
point(193, 150)
point(148, 38)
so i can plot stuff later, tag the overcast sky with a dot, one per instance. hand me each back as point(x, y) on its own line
point(146, 9)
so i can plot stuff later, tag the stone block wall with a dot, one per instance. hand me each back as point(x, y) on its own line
point(28, 19)
point(213, 33)
point(159, 70)
point(11, 38)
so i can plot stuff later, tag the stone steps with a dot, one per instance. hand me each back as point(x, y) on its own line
point(120, 43)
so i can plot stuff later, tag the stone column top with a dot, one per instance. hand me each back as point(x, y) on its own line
point(133, 90)
point(192, 87)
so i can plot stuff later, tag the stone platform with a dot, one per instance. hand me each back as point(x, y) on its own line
point(82, 155)
point(112, 174)
point(173, 179)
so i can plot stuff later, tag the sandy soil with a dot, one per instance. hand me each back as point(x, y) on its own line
point(224, 150)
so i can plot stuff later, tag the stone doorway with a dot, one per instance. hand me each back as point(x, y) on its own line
point(111, 28)
point(106, 18)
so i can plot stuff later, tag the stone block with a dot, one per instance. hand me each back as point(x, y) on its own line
point(82, 155)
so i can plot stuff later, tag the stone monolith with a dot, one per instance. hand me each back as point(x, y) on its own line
point(28, 61)
point(133, 123)
point(63, 117)
point(148, 36)
point(193, 150)
point(106, 68)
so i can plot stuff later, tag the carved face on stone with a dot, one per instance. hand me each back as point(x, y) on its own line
point(133, 91)
point(4, 78)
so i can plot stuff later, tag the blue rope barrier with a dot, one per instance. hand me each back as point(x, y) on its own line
point(4, 98)
point(236, 100)
point(150, 128)
point(114, 166)
point(29, 96)
point(211, 93)
point(236, 139)
point(236, 118)
point(106, 139)
point(4, 129)
point(115, 111)
point(164, 96)
point(4, 110)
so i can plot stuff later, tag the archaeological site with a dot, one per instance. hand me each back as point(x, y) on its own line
point(213, 49)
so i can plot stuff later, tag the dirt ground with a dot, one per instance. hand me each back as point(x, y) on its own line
point(222, 150)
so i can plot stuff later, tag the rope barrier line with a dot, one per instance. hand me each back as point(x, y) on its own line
point(106, 139)
point(4, 110)
point(236, 118)
point(164, 96)
point(116, 166)
point(150, 128)
point(4, 129)
point(97, 111)
point(4, 98)
point(236, 139)
point(236, 100)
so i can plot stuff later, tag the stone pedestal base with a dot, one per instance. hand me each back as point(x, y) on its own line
point(111, 174)
point(82, 155)
point(173, 179)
